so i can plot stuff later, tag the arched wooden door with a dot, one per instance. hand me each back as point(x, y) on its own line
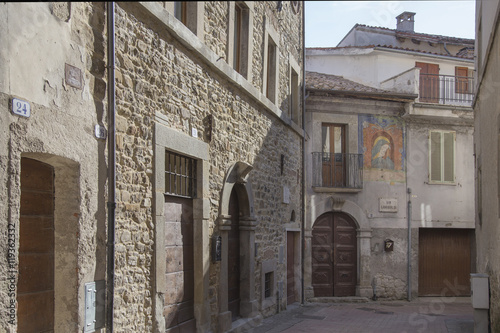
point(35, 288)
point(233, 265)
point(334, 256)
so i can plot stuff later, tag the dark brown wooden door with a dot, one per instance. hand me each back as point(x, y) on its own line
point(429, 82)
point(290, 268)
point(179, 296)
point(333, 148)
point(233, 265)
point(444, 262)
point(35, 288)
point(334, 256)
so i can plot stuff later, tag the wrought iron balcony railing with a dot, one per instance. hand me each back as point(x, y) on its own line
point(446, 89)
point(337, 170)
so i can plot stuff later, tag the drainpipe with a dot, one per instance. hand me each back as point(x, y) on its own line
point(409, 244)
point(408, 191)
point(111, 168)
point(303, 149)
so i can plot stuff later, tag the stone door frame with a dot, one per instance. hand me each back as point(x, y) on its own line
point(236, 179)
point(364, 234)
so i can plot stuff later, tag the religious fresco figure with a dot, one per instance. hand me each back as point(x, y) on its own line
point(381, 157)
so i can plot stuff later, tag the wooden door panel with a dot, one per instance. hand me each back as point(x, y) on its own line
point(290, 268)
point(233, 265)
point(444, 262)
point(345, 266)
point(179, 270)
point(334, 249)
point(429, 82)
point(36, 312)
point(35, 295)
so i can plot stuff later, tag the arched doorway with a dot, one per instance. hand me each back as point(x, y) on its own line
point(233, 258)
point(35, 295)
point(334, 255)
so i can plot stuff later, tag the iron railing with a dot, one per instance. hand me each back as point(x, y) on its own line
point(337, 170)
point(446, 89)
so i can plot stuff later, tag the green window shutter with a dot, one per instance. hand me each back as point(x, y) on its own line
point(435, 163)
point(449, 156)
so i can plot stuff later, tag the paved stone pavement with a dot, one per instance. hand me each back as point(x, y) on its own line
point(424, 315)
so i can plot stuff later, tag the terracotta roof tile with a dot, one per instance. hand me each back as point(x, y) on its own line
point(321, 81)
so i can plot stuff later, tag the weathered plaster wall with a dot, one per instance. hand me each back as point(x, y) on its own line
point(487, 150)
point(38, 40)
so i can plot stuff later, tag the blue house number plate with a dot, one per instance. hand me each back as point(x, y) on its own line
point(21, 108)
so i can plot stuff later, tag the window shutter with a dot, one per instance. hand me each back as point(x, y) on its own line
point(449, 156)
point(435, 163)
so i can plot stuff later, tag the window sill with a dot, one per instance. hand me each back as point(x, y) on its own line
point(440, 183)
point(336, 190)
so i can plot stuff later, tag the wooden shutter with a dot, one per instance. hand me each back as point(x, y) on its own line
point(435, 163)
point(449, 156)
point(442, 156)
point(462, 81)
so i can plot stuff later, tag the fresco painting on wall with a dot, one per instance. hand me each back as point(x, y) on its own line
point(382, 141)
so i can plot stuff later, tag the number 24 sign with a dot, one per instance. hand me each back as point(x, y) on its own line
point(21, 108)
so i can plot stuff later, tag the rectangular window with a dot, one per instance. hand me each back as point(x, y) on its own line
point(180, 11)
point(271, 71)
point(463, 80)
point(268, 282)
point(334, 157)
point(442, 157)
point(180, 175)
point(238, 19)
point(294, 97)
point(240, 47)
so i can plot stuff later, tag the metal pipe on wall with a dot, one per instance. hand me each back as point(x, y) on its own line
point(303, 150)
point(110, 271)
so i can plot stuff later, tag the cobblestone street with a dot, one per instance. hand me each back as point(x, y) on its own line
point(438, 315)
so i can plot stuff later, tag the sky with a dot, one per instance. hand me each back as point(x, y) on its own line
point(327, 22)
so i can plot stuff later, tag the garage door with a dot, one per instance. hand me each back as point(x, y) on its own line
point(444, 262)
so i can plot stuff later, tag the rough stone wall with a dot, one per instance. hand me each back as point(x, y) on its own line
point(156, 73)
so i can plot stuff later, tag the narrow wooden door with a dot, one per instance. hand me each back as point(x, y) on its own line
point(334, 251)
point(179, 296)
point(429, 82)
point(35, 288)
point(444, 262)
point(233, 265)
point(290, 268)
point(333, 148)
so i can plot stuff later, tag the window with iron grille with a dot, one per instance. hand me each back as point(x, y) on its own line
point(180, 175)
point(268, 279)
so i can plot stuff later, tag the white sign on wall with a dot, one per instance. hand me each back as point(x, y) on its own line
point(388, 205)
point(21, 108)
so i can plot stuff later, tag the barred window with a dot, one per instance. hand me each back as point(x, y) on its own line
point(180, 175)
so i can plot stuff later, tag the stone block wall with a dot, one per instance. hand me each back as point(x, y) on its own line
point(160, 76)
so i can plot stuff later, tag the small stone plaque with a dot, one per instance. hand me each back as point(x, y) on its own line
point(73, 76)
point(388, 205)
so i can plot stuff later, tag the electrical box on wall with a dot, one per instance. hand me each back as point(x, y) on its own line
point(480, 291)
point(95, 300)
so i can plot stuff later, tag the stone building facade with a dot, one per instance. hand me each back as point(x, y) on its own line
point(208, 163)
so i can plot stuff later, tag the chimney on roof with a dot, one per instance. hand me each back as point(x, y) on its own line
point(406, 22)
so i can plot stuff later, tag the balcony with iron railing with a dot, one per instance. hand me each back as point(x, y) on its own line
point(446, 89)
point(337, 171)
